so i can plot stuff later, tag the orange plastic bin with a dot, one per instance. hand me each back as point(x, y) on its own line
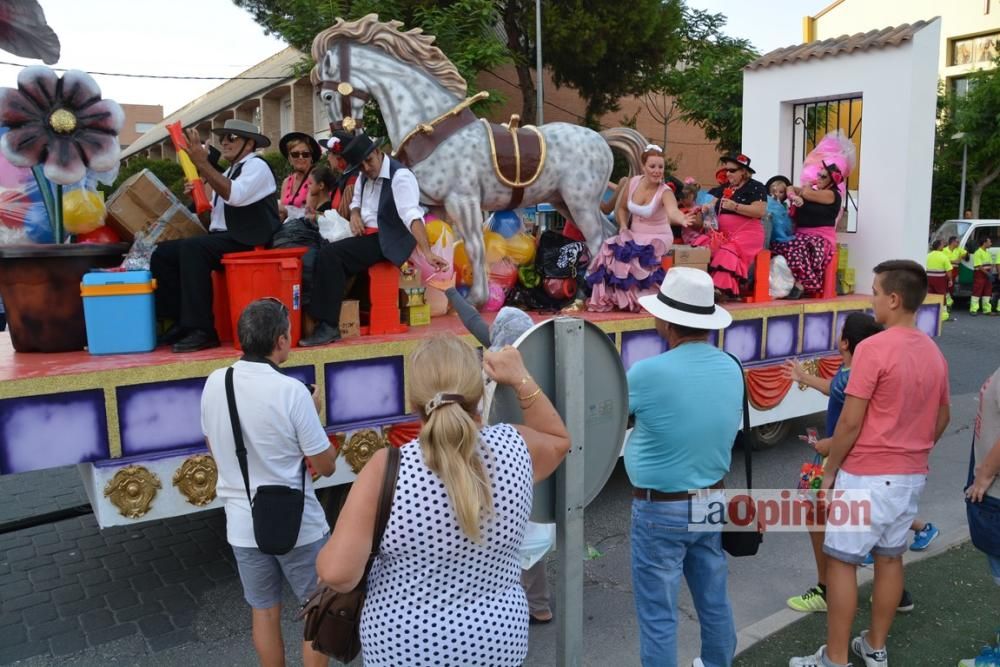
point(261, 273)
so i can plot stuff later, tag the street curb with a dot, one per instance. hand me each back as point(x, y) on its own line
point(766, 627)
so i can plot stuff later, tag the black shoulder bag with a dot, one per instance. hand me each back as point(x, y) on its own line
point(276, 510)
point(744, 542)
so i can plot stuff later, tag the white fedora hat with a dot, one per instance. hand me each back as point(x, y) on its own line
point(687, 298)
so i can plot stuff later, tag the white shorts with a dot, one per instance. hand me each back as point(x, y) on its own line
point(893, 509)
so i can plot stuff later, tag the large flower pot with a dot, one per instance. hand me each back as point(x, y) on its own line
point(40, 286)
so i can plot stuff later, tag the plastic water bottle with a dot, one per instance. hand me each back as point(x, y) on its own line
point(709, 221)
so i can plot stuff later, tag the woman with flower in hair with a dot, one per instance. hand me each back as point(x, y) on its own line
point(628, 265)
point(445, 587)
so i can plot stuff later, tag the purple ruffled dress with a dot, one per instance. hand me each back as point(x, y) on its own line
point(628, 265)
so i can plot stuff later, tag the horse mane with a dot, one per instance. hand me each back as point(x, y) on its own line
point(412, 47)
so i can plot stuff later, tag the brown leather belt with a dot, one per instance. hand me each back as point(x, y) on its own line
point(664, 496)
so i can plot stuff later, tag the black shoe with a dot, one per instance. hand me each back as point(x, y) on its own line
point(171, 335)
point(905, 602)
point(323, 335)
point(198, 339)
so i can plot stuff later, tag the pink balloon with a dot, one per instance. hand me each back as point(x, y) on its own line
point(496, 299)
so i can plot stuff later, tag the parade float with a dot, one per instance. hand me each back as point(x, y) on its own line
point(131, 422)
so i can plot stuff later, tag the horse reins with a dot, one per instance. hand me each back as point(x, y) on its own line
point(346, 90)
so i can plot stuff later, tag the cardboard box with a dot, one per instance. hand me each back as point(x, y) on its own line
point(143, 200)
point(685, 255)
point(350, 319)
point(417, 315)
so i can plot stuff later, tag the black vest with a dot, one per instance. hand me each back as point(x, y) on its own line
point(395, 240)
point(253, 224)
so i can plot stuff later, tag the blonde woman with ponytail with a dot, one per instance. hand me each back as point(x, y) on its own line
point(445, 588)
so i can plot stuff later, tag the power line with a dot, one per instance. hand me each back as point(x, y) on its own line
point(165, 76)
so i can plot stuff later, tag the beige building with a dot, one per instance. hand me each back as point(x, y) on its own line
point(970, 29)
point(139, 119)
point(266, 94)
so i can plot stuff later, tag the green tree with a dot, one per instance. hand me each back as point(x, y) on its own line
point(599, 48)
point(703, 85)
point(975, 116)
point(463, 29)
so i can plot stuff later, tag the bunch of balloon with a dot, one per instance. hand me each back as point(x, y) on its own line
point(442, 240)
point(508, 249)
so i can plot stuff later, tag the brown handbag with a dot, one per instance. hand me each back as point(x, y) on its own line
point(332, 619)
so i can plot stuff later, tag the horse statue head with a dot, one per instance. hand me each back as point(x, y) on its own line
point(351, 59)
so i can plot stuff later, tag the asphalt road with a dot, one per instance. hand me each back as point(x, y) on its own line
point(166, 593)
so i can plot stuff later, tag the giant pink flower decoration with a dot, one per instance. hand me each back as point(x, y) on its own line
point(60, 122)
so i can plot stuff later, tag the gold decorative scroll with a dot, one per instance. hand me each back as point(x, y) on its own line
point(361, 446)
point(132, 490)
point(196, 478)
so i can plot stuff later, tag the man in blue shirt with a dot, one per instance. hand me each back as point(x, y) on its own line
point(687, 404)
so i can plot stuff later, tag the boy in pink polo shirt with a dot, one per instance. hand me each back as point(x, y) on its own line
point(897, 407)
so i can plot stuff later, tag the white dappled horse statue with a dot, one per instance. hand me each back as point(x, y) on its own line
point(421, 93)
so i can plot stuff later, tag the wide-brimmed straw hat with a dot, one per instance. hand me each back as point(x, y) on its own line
point(302, 137)
point(687, 298)
point(242, 128)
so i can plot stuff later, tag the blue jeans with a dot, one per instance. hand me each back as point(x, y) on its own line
point(662, 550)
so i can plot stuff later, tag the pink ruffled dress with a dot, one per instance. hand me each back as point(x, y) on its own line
point(628, 265)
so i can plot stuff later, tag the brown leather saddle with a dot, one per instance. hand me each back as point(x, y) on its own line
point(518, 155)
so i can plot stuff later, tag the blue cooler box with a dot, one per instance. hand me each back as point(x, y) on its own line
point(119, 310)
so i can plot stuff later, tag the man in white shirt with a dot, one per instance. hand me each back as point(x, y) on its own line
point(244, 215)
point(388, 224)
point(281, 427)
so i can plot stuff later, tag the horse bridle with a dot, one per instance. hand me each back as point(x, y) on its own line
point(346, 90)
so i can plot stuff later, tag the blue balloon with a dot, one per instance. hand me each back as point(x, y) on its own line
point(506, 223)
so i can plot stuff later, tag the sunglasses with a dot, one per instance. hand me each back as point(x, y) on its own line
point(230, 138)
point(298, 154)
point(732, 170)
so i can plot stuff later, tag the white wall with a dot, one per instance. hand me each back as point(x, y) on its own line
point(899, 89)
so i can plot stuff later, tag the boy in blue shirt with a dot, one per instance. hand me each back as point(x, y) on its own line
point(857, 327)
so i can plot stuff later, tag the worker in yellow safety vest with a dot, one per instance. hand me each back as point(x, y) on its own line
point(982, 278)
point(939, 280)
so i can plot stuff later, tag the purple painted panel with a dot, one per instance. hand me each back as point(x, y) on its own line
point(159, 416)
point(639, 345)
point(39, 432)
point(713, 338)
point(362, 390)
point(841, 318)
point(743, 339)
point(306, 374)
point(782, 336)
point(927, 319)
point(816, 332)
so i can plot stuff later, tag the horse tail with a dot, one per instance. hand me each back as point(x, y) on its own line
point(630, 142)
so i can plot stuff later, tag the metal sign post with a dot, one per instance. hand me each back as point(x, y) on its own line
point(580, 370)
point(569, 366)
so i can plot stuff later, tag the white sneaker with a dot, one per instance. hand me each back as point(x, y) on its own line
point(814, 660)
point(697, 663)
point(872, 657)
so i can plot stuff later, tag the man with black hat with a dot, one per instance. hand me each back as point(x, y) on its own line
point(244, 215)
point(387, 222)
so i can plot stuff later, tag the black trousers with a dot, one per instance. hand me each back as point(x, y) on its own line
point(334, 264)
point(183, 272)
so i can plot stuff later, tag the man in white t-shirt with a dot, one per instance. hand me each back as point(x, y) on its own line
point(281, 428)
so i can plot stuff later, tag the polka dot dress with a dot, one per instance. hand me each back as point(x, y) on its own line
point(435, 597)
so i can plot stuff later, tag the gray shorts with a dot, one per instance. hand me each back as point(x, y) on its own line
point(262, 574)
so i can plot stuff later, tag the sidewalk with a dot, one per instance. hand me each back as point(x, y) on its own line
point(955, 615)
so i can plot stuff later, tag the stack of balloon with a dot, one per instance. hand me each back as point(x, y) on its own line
point(84, 214)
